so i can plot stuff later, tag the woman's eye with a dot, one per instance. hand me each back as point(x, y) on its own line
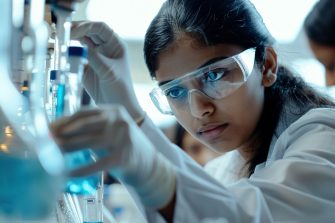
point(175, 92)
point(214, 75)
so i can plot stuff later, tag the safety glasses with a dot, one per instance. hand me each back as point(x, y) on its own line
point(216, 81)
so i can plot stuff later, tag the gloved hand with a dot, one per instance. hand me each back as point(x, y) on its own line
point(122, 149)
point(107, 78)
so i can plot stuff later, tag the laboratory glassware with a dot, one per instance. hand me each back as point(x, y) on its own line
point(31, 163)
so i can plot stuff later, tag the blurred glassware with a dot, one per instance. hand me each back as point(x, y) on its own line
point(31, 174)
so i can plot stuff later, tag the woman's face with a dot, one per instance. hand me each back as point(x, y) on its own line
point(222, 124)
point(326, 56)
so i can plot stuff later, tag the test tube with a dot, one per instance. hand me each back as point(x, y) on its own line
point(52, 95)
point(93, 206)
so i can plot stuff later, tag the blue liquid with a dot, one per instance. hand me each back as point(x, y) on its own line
point(60, 100)
point(81, 185)
point(27, 191)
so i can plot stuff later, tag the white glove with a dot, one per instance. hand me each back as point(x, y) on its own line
point(122, 149)
point(107, 78)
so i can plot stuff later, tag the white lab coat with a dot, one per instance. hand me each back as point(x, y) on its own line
point(227, 168)
point(295, 184)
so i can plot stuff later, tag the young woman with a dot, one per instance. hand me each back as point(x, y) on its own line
point(218, 74)
point(320, 29)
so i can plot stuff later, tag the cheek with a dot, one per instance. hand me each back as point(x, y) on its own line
point(245, 108)
point(185, 119)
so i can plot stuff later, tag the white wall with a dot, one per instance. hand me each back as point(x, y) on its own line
point(130, 18)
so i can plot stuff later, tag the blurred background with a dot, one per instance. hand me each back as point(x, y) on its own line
point(130, 19)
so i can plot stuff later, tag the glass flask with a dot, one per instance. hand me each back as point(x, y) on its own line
point(31, 164)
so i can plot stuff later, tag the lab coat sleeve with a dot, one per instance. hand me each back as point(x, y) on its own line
point(297, 187)
point(196, 191)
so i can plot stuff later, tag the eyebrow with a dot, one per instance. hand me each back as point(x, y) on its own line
point(213, 60)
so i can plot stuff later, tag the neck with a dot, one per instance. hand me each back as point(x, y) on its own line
point(246, 152)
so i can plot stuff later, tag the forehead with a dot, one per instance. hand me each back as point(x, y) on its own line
point(186, 55)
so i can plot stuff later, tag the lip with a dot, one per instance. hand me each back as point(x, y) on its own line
point(212, 131)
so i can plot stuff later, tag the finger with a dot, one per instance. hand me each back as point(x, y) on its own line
point(91, 84)
point(84, 125)
point(98, 30)
point(58, 126)
point(86, 41)
point(104, 38)
point(79, 29)
point(101, 66)
point(80, 142)
point(85, 113)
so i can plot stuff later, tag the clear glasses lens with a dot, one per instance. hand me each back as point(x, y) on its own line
point(217, 80)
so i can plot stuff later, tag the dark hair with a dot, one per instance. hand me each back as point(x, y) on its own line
point(319, 24)
point(237, 22)
point(211, 22)
point(291, 90)
point(179, 135)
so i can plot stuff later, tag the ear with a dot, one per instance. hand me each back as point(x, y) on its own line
point(269, 68)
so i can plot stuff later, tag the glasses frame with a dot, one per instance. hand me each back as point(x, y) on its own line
point(245, 60)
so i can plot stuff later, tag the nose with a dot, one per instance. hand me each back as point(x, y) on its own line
point(200, 104)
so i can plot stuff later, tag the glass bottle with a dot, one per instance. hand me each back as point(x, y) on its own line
point(69, 97)
point(70, 88)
